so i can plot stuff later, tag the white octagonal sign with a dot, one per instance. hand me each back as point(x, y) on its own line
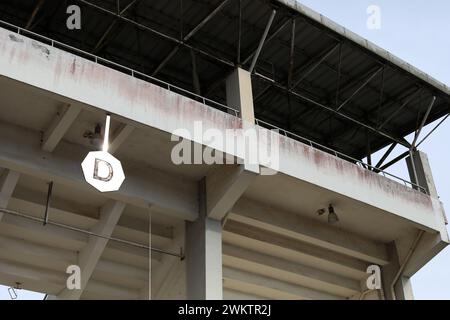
point(102, 171)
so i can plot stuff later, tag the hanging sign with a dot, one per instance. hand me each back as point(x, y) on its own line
point(101, 169)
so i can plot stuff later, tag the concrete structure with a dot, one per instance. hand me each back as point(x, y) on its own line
point(202, 231)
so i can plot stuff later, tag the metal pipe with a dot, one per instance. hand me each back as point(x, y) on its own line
point(316, 65)
point(269, 38)
point(158, 33)
point(433, 130)
point(64, 226)
point(263, 39)
point(404, 104)
point(331, 110)
point(49, 198)
point(365, 83)
point(424, 120)
point(405, 262)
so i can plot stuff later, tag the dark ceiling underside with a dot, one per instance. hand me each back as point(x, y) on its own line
point(304, 88)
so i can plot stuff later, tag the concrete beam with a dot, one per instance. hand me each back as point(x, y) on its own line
point(175, 196)
point(128, 227)
point(224, 186)
point(263, 241)
point(287, 271)
point(90, 255)
point(255, 284)
point(8, 182)
point(57, 259)
point(119, 137)
point(60, 125)
point(204, 255)
point(309, 231)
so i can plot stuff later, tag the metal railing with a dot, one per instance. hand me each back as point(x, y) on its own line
point(118, 67)
point(205, 101)
point(340, 155)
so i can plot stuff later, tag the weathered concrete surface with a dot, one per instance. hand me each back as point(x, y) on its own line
point(81, 81)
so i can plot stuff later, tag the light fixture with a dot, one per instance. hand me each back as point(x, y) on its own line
point(332, 216)
point(95, 137)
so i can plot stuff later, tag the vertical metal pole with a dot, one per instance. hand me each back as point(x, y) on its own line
point(47, 206)
point(338, 85)
point(239, 33)
point(291, 55)
point(195, 78)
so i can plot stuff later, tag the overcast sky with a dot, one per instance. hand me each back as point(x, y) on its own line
point(416, 31)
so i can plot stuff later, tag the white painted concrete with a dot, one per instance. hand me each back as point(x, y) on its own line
point(78, 80)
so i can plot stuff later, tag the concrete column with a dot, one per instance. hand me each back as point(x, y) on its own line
point(240, 97)
point(204, 254)
point(420, 172)
point(240, 94)
point(403, 289)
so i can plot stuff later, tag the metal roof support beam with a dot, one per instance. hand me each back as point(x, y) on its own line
point(159, 34)
point(422, 124)
point(316, 65)
point(90, 255)
point(269, 38)
point(386, 154)
point(365, 83)
point(394, 161)
point(111, 26)
point(8, 182)
point(404, 104)
point(239, 33)
point(195, 78)
point(339, 76)
point(291, 55)
point(61, 124)
point(34, 13)
point(190, 35)
point(433, 130)
point(261, 42)
point(334, 111)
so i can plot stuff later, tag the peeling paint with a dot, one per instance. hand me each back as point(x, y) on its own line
point(41, 47)
point(15, 38)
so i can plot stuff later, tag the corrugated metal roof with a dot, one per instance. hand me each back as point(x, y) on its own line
point(148, 32)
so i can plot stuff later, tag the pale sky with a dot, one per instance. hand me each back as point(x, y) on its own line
point(416, 31)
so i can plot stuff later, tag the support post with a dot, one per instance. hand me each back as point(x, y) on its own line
point(204, 254)
point(420, 172)
point(240, 96)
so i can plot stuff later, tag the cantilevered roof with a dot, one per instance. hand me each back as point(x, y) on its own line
point(312, 77)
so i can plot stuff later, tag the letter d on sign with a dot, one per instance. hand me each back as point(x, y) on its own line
point(102, 171)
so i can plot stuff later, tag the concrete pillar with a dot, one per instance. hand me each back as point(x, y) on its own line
point(420, 172)
point(240, 94)
point(402, 289)
point(240, 97)
point(204, 254)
